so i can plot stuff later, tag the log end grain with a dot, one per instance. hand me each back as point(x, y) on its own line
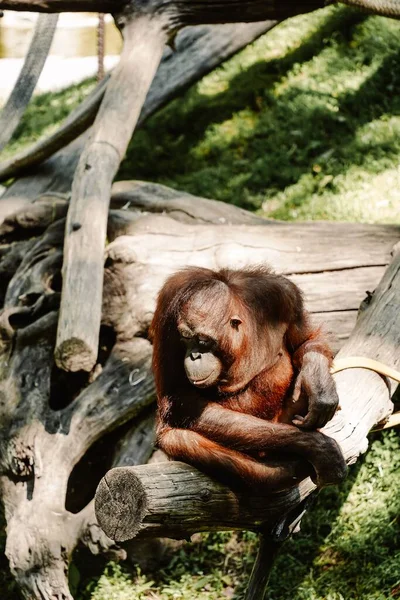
point(120, 504)
point(75, 355)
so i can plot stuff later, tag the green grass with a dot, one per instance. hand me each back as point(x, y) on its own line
point(303, 124)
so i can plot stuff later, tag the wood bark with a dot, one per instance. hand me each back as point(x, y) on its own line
point(187, 11)
point(192, 11)
point(177, 500)
point(79, 321)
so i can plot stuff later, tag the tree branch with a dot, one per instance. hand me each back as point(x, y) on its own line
point(79, 322)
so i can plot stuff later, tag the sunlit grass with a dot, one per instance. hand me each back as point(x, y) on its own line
point(44, 115)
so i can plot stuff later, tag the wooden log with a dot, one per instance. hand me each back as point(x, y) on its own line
point(217, 246)
point(172, 245)
point(79, 321)
point(387, 8)
point(333, 296)
point(185, 11)
point(174, 500)
point(178, 500)
point(228, 10)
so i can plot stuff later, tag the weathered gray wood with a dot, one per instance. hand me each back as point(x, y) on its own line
point(79, 321)
point(333, 296)
point(37, 458)
point(188, 12)
point(385, 8)
point(339, 324)
point(143, 255)
point(180, 206)
point(175, 500)
point(183, 11)
point(137, 445)
point(171, 244)
point(345, 288)
point(19, 98)
point(179, 500)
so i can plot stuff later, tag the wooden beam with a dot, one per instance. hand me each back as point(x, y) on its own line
point(207, 11)
point(51, 6)
point(187, 12)
point(80, 311)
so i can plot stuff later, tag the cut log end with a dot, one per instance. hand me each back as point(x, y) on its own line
point(120, 504)
point(75, 355)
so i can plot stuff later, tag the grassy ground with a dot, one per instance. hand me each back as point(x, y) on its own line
point(304, 124)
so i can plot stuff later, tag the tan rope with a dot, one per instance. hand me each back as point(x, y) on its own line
point(100, 47)
point(362, 362)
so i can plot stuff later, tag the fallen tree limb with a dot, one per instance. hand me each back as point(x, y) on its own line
point(187, 11)
point(79, 322)
point(228, 10)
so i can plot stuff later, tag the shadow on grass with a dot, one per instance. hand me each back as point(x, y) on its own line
point(361, 558)
point(300, 551)
point(251, 139)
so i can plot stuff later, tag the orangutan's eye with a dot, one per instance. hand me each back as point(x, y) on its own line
point(185, 336)
point(235, 322)
point(204, 343)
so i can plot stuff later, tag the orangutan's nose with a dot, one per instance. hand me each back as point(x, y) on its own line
point(195, 355)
